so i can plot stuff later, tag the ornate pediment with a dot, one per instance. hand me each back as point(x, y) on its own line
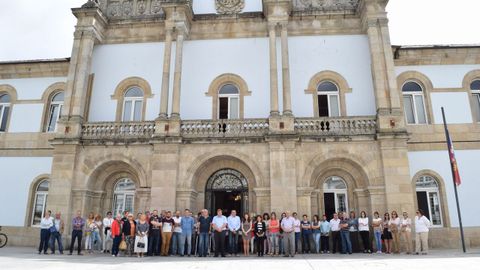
point(325, 5)
point(131, 8)
point(229, 6)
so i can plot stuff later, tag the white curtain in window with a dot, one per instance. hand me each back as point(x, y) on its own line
point(334, 110)
point(422, 119)
point(408, 104)
point(234, 108)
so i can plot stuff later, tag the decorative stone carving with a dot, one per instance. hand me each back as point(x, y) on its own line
point(325, 5)
point(156, 7)
point(130, 8)
point(127, 8)
point(90, 4)
point(229, 6)
point(141, 7)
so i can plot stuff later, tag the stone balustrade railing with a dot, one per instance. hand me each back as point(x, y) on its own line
point(340, 126)
point(224, 128)
point(118, 130)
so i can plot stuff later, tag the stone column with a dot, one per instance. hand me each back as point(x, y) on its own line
point(287, 103)
point(273, 70)
point(177, 79)
point(166, 74)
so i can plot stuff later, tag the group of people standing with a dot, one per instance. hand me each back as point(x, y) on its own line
point(155, 234)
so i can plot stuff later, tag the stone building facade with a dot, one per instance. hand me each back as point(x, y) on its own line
point(259, 106)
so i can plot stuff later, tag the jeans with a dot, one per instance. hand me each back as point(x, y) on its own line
point(325, 243)
point(280, 244)
point(44, 240)
point(219, 243)
point(316, 239)
point(336, 241)
point(175, 243)
point(289, 243)
point(378, 240)
point(346, 242)
point(78, 235)
point(306, 241)
point(58, 237)
point(203, 244)
point(153, 243)
point(233, 242)
point(188, 238)
point(298, 238)
point(96, 241)
point(116, 244)
point(274, 241)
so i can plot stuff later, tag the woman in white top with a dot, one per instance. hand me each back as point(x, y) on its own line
point(364, 231)
point(394, 224)
point(406, 231)
point(377, 231)
point(421, 232)
point(45, 224)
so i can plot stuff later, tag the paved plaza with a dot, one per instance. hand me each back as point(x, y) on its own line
point(26, 258)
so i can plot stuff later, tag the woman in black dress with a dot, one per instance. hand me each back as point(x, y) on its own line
point(259, 228)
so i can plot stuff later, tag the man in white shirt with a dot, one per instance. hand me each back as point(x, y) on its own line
point(219, 224)
point(233, 226)
point(107, 239)
point(335, 228)
point(177, 233)
point(288, 227)
point(298, 238)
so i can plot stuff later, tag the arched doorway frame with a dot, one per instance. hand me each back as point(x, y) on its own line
point(227, 180)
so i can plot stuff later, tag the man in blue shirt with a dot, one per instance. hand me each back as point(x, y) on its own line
point(233, 226)
point(204, 226)
point(219, 224)
point(187, 224)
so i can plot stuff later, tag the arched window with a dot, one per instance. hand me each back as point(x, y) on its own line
point(4, 111)
point(328, 99)
point(475, 87)
point(413, 102)
point(133, 104)
point(428, 198)
point(123, 196)
point(40, 202)
point(335, 196)
point(54, 112)
point(228, 100)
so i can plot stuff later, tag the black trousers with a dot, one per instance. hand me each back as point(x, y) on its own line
point(153, 243)
point(260, 243)
point(325, 246)
point(78, 235)
point(219, 243)
point(355, 242)
point(44, 240)
point(336, 241)
point(365, 240)
point(116, 244)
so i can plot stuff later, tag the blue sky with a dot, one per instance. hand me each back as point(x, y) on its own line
point(41, 29)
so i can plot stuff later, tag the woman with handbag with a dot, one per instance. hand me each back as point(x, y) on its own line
point(116, 234)
point(129, 234)
point(141, 238)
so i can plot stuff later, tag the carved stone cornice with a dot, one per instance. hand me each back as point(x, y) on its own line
point(325, 6)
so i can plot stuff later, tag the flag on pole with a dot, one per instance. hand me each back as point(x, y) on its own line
point(453, 161)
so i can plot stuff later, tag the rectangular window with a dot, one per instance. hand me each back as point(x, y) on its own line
point(408, 104)
point(334, 110)
point(4, 117)
point(476, 100)
point(419, 105)
point(223, 108)
point(127, 111)
point(323, 105)
point(436, 216)
point(233, 108)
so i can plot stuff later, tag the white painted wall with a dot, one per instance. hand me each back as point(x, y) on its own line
point(18, 174)
point(442, 76)
point(26, 117)
point(32, 88)
point(456, 105)
point(348, 55)
point(208, 6)
point(438, 161)
point(114, 63)
point(204, 60)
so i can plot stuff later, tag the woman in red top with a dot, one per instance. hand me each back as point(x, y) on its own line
point(274, 229)
point(116, 232)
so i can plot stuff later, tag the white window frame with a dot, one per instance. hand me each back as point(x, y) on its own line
point(476, 95)
point(229, 96)
point(123, 194)
point(52, 105)
point(37, 193)
point(338, 191)
point(429, 190)
point(328, 94)
point(412, 95)
point(132, 112)
point(4, 105)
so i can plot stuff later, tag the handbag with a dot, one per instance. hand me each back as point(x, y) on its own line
point(123, 245)
point(141, 243)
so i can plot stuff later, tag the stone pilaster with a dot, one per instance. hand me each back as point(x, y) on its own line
point(186, 199)
point(164, 176)
point(273, 69)
point(304, 200)
point(166, 74)
point(177, 77)
point(262, 200)
point(89, 30)
point(283, 183)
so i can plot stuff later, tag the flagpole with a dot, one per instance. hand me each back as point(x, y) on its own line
point(454, 185)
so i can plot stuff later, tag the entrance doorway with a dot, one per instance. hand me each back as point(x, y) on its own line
point(227, 189)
